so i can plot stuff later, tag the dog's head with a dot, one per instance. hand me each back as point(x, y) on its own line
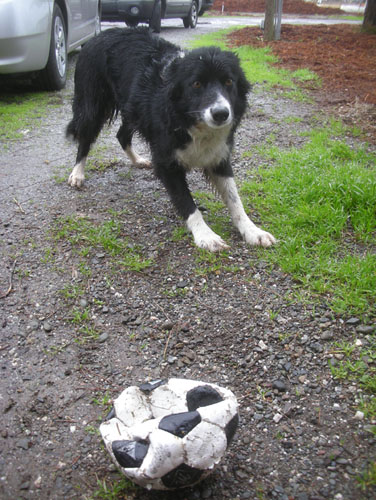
point(208, 86)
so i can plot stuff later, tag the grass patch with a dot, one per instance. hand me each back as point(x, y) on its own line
point(257, 64)
point(120, 488)
point(320, 202)
point(20, 113)
point(86, 235)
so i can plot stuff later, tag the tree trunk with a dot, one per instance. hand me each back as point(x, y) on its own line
point(269, 33)
point(369, 21)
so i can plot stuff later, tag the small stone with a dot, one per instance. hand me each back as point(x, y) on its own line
point(262, 345)
point(25, 485)
point(83, 302)
point(359, 415)
point(279, 385)
point(47, 326)
point(353, 321)
point(326, 335)
point(277, 418)
point(182, 284)
point(366, 329)
point(24, 444)
point(34, 324)
point(103, 337)
point(304, 339)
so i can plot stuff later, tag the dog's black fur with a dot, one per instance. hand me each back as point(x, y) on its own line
point(186, 105)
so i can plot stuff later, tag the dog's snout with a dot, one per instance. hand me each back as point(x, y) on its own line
point(220, 114)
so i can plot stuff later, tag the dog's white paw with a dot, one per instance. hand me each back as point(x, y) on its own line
point(76, 180)
point(259, 237)
point(214, 243)
point(204, 237)
point(77, 177)
point(142, 162)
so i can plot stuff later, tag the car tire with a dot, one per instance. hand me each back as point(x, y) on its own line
point(191, 20)
point(156, 16)
point(132, 23)
point(54, 75)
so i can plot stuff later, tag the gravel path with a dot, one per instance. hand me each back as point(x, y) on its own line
point(239, 324)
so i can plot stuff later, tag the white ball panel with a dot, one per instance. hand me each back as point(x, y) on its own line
point(164, 402)
point(220, 413)
point(204, 446)
point(131, 407)
point(164, 454)
point(114, 430)
point(143, 430)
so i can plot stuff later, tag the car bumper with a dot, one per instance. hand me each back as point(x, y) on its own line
point(24, 37)
point(127, 10)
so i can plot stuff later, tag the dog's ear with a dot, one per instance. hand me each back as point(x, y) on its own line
point(243, 84)
point(172, 77)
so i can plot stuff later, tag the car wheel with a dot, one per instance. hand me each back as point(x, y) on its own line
point(54, 75)
point(156, 16)
point(131, 23)
point(191, 20)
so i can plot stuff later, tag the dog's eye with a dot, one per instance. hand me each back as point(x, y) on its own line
point(228, 82)
point(196, 84)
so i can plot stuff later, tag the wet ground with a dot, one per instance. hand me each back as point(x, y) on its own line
point(79, 324)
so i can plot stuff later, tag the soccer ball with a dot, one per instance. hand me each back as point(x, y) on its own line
point(169, 434)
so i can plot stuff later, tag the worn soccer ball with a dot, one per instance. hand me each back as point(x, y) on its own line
point(170, 434)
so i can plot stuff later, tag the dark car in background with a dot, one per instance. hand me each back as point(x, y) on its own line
point(133, 12)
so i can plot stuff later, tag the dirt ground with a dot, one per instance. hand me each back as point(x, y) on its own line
point(342, 56)
point(78, 326)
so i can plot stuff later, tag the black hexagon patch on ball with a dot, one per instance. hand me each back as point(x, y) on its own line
point(169, 434)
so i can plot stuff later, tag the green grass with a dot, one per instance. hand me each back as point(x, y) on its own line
point(113, 491)
point(320, 202)
point(86, 235)
point(23, 112)
point(257, 64)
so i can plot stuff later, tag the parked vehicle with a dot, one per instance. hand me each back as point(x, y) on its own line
point(37, 35)
point(133, 12)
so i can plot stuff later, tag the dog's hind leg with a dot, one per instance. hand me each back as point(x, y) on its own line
point(85, 132)
point(124, 136)
point(253, 235)
point(77, 176)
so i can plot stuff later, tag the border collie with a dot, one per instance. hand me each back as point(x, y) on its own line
point(186, 105)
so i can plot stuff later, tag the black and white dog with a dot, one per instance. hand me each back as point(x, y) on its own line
point(186, 105)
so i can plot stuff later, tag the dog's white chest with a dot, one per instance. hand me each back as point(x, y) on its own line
point(207, 148)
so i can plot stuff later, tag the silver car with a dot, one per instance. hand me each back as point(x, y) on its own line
point(37, 35)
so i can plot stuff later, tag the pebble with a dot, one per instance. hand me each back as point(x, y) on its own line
point(47, 326)
point(262, 345)
point(279, 385)
point(353, 321)
point(103, 337)
point(326, 335)
point(359, 415)
point(277, 418)
point(366, 329)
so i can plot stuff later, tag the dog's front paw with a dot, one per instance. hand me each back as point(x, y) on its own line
point(77, 177)
point(210, 241)
point(259, 237)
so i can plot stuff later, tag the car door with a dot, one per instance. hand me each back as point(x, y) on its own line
point(177, 8)
point(82, 19)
